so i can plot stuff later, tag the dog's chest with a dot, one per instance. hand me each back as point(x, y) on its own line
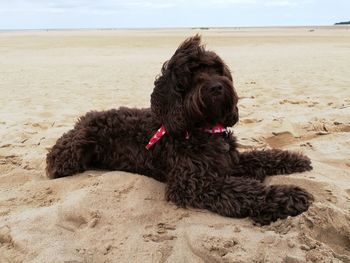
point(214, 150)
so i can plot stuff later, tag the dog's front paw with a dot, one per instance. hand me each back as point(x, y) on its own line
point(282, 201)
point(56, 166)
point(300, 163)
point(62, 162)
point(291, 162)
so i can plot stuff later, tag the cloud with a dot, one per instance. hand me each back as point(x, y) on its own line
point(38, 6)
point(18, 14)
point(109, 5)
point(118, 6)
point(281, 3)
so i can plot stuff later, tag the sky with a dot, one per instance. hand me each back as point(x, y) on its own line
point(47, 14)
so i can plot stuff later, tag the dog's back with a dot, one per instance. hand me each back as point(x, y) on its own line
point(113, 139)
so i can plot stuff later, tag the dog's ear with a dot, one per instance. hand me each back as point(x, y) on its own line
point(167, 103)
point(184, 60)
point(172, 85)
point(190, 46)
point(227, 72)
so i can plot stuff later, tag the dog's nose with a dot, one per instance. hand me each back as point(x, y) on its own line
point(215, 88)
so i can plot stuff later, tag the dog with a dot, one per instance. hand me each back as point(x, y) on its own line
point(183, 140)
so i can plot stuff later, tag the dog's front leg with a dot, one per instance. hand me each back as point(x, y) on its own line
point(71, 154)
point(259, 164)
point(195, 186)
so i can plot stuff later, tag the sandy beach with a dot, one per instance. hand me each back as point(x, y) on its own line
point(294, 89)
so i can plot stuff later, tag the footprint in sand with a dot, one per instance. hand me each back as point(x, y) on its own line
point(4, 211)
point(214, 248)
point(5, 236)
point(9, 162)
point(251, 143)
point(73, 220)
point(348, 197)
point(121, 194)
point(219, 246)
point(329, 227)
point(11, 159)
point(298, 102)
point(330, 196)
point(307, 145)
point(325, 127)
point(11, 251)
point(41, 125)
point(281, 227)
point(249, 121)
point(42, 198)
point(280, 139)
point(160, 233)
point(348, 192)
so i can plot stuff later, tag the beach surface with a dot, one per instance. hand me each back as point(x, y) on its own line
point(294, 89)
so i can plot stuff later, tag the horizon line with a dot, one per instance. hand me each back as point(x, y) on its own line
point(158, 28)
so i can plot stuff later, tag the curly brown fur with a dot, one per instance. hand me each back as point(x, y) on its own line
point(194, 91)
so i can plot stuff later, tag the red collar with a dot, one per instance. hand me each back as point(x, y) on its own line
point(218, 128)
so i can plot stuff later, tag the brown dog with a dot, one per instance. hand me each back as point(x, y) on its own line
point(182, 140)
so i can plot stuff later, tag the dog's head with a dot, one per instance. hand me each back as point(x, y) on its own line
point(194, 90)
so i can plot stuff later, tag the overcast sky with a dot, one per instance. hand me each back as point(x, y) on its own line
point(36, 14)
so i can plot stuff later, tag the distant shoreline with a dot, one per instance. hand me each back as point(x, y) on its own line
point(347, 26)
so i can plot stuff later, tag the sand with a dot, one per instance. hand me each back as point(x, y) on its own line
point(294, 88)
